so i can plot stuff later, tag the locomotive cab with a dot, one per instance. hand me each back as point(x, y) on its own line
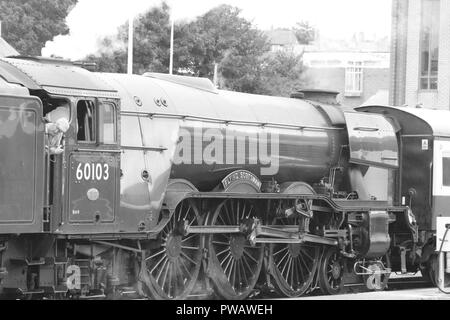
point(92, 164)
point(82, 178)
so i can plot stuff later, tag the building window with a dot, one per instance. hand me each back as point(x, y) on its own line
point(354, 79)
point(429, 44)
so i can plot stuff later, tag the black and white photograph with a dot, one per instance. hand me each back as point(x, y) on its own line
point(224, 155)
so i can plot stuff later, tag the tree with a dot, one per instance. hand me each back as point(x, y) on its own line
point(283, 73)
point(151, 44)
point(304, 32)
point(198, 45)
point(275, 74)
point(219, 36)
point(217, 33)
point(28, 24)
point(110, 58)
point(242, 67)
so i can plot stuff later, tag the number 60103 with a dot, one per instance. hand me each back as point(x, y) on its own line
point(92, 171)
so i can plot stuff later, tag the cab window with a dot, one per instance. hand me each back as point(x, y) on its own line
point(86, 121)
point(107, 122)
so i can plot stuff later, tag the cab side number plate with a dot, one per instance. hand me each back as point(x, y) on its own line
point(92, 171)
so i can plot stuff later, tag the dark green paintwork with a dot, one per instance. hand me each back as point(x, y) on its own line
point(21, 165)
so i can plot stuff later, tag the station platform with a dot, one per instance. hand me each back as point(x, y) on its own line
point(406, 294)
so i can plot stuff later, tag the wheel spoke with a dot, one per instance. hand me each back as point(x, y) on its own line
point(223, 251)
point(250, 212)
point(189, 248)
point(301, 269)
point(292, 266)
point(241, 272)
point(285, 265)
point(187, 212)
point(169, 287)
point(284, 257)
point(161, 270)
point(226, 258)
point(227, 214)
point(305, 264)
point(250, 256)
point(306, 254)
point(156, 254)
point(226, 267)
point(221, 219)
point(180, 210)
point(156, 265)
point(189, 238)
point(221, 243)
point(284, 248)
point(233, 273)
point(245, 263)
point(187, 257)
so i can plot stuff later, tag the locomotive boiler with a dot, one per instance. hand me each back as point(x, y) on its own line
point(170, 188)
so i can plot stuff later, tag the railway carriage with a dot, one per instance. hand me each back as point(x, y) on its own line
point(170, 188)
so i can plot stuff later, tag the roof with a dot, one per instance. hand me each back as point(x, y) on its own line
point(6, 49)
point(437, 120)
point(53, 76)
point(283, 37)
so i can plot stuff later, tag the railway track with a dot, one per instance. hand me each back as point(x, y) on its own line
point(396, 283)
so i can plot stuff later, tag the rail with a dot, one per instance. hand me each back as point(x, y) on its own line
point(228, 122)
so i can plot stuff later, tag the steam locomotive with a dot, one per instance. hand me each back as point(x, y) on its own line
point(169, 188)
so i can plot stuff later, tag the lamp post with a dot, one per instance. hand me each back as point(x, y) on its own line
point(171, 43)
point(130, 44)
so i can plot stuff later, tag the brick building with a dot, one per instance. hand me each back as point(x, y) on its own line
point(420, 53)
point(358, 76)
point(357, 67)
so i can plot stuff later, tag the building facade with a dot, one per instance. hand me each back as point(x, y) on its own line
point(358, 76)
point(420, 53)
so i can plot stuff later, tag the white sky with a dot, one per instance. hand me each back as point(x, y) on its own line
point(93, 19)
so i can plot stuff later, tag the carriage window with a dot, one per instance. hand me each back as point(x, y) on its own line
point(86, 121)
point(107, 121)
point(446, 172)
